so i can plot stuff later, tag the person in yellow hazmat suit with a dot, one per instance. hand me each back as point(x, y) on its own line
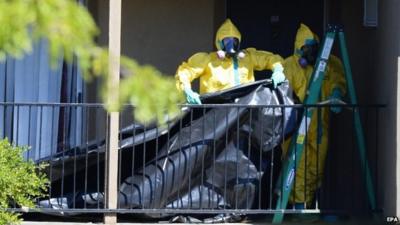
point(226, 68)
point(298, 71)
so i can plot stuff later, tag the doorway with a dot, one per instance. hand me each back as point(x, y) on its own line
point(272, 25)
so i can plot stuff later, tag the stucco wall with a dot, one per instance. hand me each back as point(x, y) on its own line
point(386, 81)
point(163, 33)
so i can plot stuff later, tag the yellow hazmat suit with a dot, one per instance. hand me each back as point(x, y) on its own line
point(308, 177)
point(216, 73)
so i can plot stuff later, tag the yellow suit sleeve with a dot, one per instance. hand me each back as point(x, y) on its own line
point(190, 70)
point(336, 71)
point(263, 60)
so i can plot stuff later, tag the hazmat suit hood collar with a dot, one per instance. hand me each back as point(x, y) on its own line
point(303, 33)
point(227, 29)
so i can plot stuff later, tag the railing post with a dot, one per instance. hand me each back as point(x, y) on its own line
point(114, 48)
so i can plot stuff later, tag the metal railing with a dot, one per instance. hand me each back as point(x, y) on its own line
point(210, 159)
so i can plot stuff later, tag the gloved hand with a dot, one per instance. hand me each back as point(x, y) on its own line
point(191, 96)
point(335, 98)
point(277, 74)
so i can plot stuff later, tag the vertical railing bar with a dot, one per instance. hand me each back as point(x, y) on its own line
point(2, 133)
point(321, 191)
point(305, 153)
point(293, 192)
point(97, 110)
point(318, 149)
point(260, 117)
point(40, 130)
point(249, 156)
point(189, 155)
point(283, 140)
point(4, 119)
point(74, 173)
point(63, 151)
point(51, 150)
point(225, 155)
point(180, 203)
point(29, 131)
point(28, 143)
point(16, 140)
point(281, 180)
point(237, 154)
point(327, 181)
point(17, 136)
point(376, 149)
point(12, 111)
point(105, 153)
point(281, 156)
point(168, 146)
point(5, 124)
point(17, 130)
point(144, 164)
point(120, 121)
point(156, 165)
point(133, 154)
point(86, 155)
point(367, 149)
point(271, 174)
point(202, 160)
point(214, 155)
point(354, 109)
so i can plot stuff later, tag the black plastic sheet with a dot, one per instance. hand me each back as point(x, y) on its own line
point(210, 158)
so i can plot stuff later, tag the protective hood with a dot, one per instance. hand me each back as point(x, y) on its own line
point(303, 33)
point(227, 29)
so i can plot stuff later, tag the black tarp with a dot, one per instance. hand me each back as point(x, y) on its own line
point(210, 157)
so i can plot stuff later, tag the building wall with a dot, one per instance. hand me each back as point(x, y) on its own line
point(374, 55)
point(343, 150)
point(386, 81)
point(164, 33)
point(160, 33)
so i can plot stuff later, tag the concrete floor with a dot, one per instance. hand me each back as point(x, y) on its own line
point(288, 221)
point(260, 223)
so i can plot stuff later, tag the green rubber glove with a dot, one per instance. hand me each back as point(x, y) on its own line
point(335, 98)
point(277, 74)
point(191, 96)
